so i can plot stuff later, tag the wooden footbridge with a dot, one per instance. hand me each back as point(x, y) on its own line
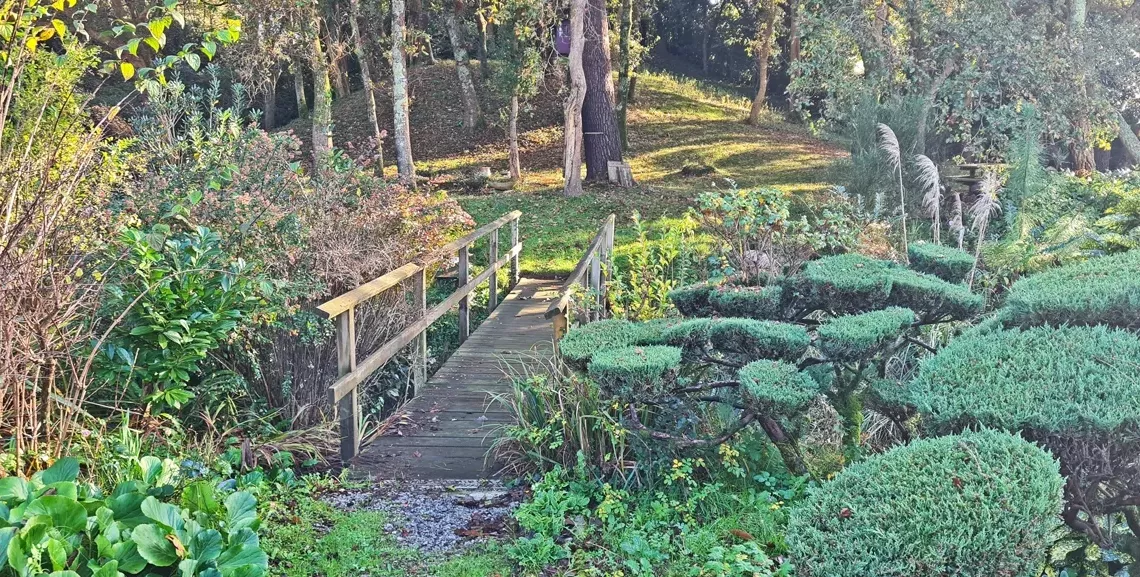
point(447, 429)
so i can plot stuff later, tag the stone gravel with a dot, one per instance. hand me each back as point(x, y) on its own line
point(426, 515)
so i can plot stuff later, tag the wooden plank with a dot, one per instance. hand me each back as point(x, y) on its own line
point(465, 301)
point(576, 276)
point(368, 290)
point(348, 407)
point(385, 353)
point(479, 233)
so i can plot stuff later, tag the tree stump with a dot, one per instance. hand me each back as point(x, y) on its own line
point(620, 173)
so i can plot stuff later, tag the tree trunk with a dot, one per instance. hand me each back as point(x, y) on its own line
point(322, 99)
point(624, 70)
point(299, 89)
point(482, 49)
point(513, 138)
point(401, 128)
point(1128, 138)
point(763, 55)
point(793, 31)
point(269, 118)
point(1084, 159)
point(599, 125)
point(928, 104)
point(366, 75)
point(705, 34)
point(471, 115)
point(572, 128)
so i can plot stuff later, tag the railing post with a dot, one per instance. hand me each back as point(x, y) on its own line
point(464, 303)
point(514, 280)
point(596, 285)
point(492, 260)
point(559, 321)
point(419, 368)
point(348, 408)
point(608, 255)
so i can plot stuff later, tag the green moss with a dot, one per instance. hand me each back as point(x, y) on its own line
point(933, 297)
point(855, 337)
point(580, 343)
point(758, 339)
point(748, 302)
point(693, 300)
point(776, 387)
point(946, 263)
point(1102, 291)
point(1055, 380)
point(629, 371)
point(973, 505)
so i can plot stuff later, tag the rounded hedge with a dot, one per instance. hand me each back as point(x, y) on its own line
point(693, 300)
point(1055, 380)
point(776, 387)
point(581, 343)
point(974, 505)
point(748, 302)
point(932, 296)
point(1102, 291)
point(944, 262)
point(755, 339)
point(855, 337)
point(629, 371)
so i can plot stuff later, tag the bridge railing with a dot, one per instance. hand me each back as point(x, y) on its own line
point(344, 394)
point(592, 273)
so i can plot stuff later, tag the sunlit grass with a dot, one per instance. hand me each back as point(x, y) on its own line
point(674, 122)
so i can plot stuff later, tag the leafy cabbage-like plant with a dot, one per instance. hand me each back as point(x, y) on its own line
point(976, 505)
point(51, 524)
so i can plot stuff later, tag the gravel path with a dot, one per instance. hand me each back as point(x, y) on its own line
point(436, 516)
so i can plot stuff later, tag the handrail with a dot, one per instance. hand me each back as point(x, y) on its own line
point(590, 274)
point(343, 391)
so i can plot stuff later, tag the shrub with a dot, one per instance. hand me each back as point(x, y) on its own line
point(629, 372)
point(1072, 389)
point(754, 339)
point(653, 332)
point(748, 302)
point(847, 283)
point(688, 334)
point(776, 387)
point(693, 300)
point(1100, 291)
point(854, 337)
point(979, 504)
point(933, 298)
point(946, 263)
point(580, 343)
point(66, 528)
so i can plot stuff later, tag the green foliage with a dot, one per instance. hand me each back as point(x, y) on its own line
point(754, 339)
point(647, 271)
point(180, 297)
point(979, 504)
point(851, 283)
point(856, 337)
point(1102, 291)
point(51, 523)
point(632, 371)
point(581, 343)
point(775, 387)
point(693, 300)
point(946, 263)
point(689, 334)
point(1063, 380)
point(748, 302)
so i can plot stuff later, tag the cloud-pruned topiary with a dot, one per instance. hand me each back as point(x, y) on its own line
point(693, 300)
point(689, 334)
point(631, 372)
point(764, 303)
point(755, 339)
point(1104, 291)
point(854, 337)
point(776, 387)
point(846, 283)
point(652, 332)
point(944, 262)
point(581, 343)
point(1072, 389)
point(980, 504)
point(852, 284)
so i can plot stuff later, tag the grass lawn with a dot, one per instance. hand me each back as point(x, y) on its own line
point(673, 123)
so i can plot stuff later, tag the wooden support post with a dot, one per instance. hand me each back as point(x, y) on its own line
point(559, 329)
point(514, 259)
point(348, 408)
point(492, 259)
point(464, 277)
point(596, 285)
point(419, 369)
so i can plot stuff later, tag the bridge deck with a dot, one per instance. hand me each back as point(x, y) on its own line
point(447, 430)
